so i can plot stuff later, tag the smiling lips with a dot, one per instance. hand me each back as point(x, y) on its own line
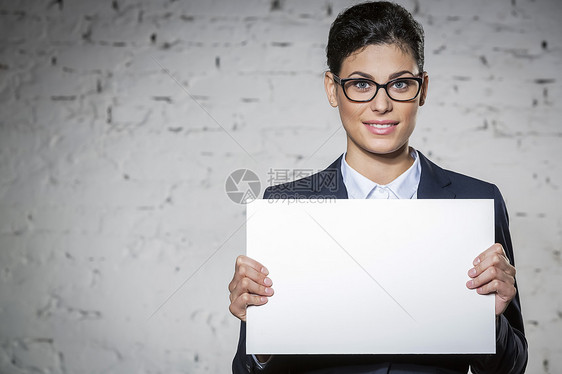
point(381, 127)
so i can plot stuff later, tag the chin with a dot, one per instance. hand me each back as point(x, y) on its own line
point(385, 149)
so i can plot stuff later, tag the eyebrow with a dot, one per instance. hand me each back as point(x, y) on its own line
point(390, 77)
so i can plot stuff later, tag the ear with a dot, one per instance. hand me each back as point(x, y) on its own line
point(423, 92)
point(330, 87)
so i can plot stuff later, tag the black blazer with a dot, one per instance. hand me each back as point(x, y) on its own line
point(435, 183)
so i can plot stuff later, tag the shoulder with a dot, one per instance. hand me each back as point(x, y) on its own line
point(327, 183)
point(459, 185)
point(469, 186)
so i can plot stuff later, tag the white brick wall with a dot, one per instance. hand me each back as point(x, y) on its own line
point(112, 176)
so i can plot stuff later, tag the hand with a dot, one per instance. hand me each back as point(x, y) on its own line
point(492, 273)
point(249, 286)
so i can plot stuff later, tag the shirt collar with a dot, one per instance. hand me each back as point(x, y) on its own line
point(403, 187)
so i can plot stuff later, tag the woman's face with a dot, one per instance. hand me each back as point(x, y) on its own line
point(381, 126)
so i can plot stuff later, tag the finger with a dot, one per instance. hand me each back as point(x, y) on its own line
point(490, 275)
point(245, 260)
point(245, 274)
point(247, 267)
point(504, 290)
point(497, 262)
point(494, 250)
point(239, 305)
point(492, 258)
point(247, 285)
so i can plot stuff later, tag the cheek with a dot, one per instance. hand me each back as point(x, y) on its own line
point(410, 114)
point(344, 114)
point(350, 112)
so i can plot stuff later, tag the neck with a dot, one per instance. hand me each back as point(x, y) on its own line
point(380, 168)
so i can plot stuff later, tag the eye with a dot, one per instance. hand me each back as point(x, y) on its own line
point(362, 85)
point(400, 84)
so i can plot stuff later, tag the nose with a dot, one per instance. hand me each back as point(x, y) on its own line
point(381, 102)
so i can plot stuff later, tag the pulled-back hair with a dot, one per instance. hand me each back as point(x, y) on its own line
point(376, 23)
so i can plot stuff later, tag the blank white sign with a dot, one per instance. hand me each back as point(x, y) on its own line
point(370, 276)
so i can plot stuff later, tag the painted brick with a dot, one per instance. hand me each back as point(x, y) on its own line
point(121, 120)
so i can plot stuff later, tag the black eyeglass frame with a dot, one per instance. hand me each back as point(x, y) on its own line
point(342, 83)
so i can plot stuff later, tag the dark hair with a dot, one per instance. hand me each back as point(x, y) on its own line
point(373, 23)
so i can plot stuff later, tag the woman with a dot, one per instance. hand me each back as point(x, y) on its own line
point(377, 82)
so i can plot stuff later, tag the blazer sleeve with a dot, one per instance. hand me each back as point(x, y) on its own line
point(243, 363)
point(511, 345)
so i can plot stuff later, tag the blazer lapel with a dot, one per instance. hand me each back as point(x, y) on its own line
point(333, 172)
point(434, 182)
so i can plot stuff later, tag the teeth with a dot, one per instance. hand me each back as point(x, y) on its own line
point(380, 126)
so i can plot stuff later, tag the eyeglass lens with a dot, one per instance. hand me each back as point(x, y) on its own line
point(399, 89)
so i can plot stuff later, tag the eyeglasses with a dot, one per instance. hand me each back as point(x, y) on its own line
point(362, 90)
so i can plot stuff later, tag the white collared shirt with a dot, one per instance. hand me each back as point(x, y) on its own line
point(403, 187)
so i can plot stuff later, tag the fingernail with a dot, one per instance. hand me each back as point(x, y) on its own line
point(472, 272)
point(263, 299)
point(476, 261)
point(264, 270)
point(268, 291)
point(470, 284)
point(267, 281)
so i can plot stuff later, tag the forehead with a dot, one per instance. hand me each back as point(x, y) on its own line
point(379, 61)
